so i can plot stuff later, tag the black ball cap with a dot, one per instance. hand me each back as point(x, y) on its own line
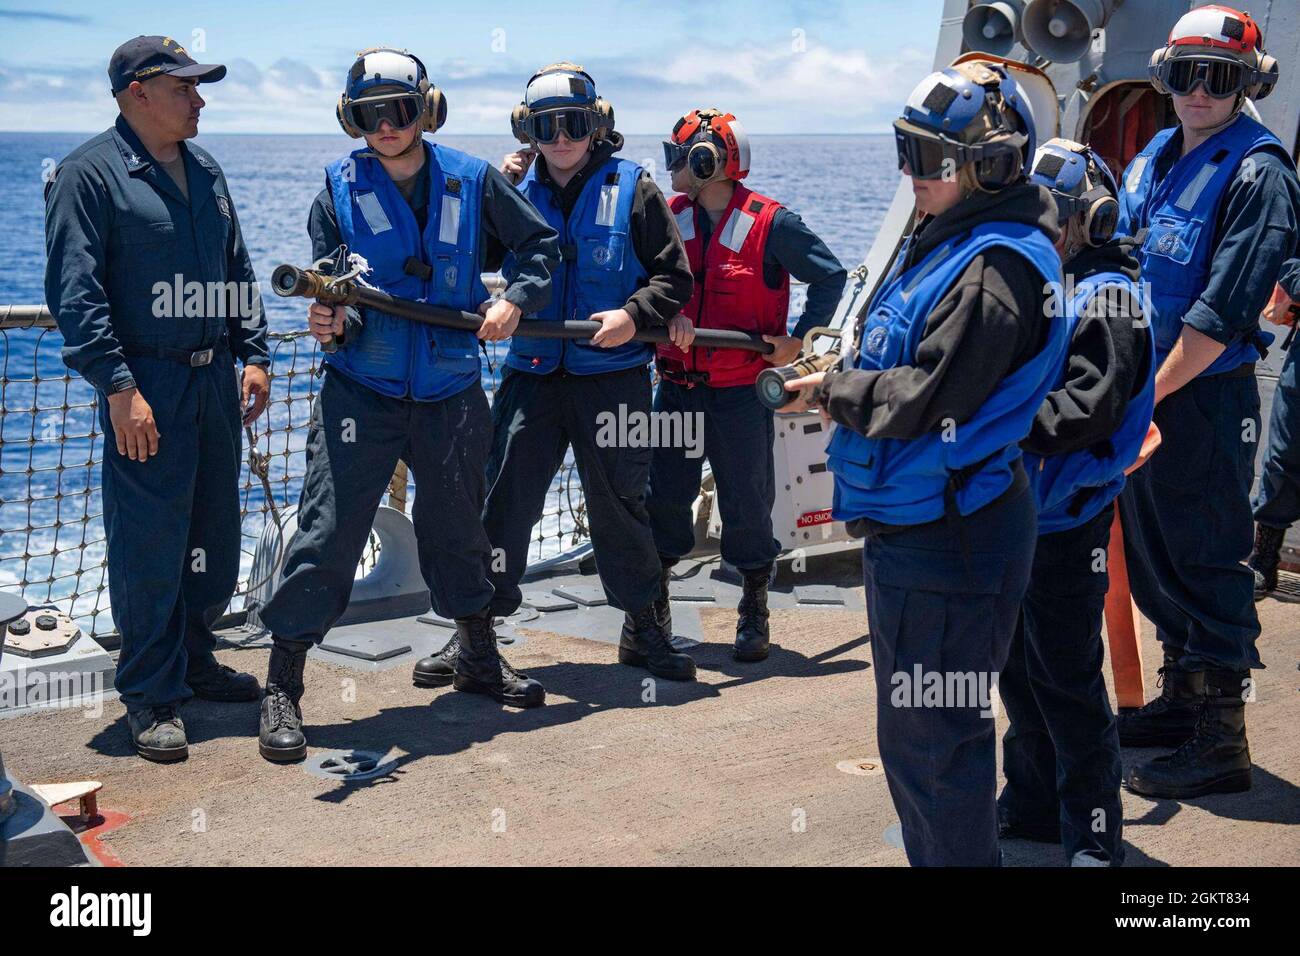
point(146, 57)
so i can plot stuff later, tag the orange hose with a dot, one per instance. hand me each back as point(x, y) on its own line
point(1122, 625)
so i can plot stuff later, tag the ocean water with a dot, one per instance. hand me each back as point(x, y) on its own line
point(51, 536)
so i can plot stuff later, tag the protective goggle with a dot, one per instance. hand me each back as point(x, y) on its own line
point(1221, 78)
point(930, 156)
point(675, 155)
point(701, 157)
point(401, 110)
point(574, 123)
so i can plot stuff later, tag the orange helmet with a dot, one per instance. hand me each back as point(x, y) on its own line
point(708, 142)
point(1219, 47)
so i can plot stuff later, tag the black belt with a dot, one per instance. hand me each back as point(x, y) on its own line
point(195, 359)
point(678, 374)
point(685, 379)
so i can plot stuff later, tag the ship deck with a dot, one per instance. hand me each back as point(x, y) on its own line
point(751, 764)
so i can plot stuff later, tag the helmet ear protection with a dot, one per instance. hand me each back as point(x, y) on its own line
point(604, 124)
point(517, 117)
point(1101, 217)
point(1000, 169)
point(435, 104)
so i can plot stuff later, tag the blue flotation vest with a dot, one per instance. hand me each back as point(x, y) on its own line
point(598, 271)
point(392, 355)
point(1073, 488)
point(913, 481)
point(1175, 219)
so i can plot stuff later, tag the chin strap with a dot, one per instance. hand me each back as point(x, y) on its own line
point(696, 186)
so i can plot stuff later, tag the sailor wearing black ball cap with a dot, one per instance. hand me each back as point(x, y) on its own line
point(134, 209)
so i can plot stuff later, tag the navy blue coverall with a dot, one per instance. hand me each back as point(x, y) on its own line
point(1186, 513)
point(119, 235)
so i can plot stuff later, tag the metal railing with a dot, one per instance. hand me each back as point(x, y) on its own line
point(52, 539)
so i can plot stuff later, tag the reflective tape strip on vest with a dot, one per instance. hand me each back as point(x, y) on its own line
point(730, 292)
point(902, 481)
point(1177, 217)
point(393, 355)
point(598, 271)
point(1072, 489)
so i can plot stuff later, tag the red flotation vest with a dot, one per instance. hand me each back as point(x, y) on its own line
point(729, 291)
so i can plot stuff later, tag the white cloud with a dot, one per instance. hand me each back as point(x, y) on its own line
point(772, 88)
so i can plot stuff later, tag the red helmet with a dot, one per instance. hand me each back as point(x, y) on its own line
point(1228, 41)
point(709, 141)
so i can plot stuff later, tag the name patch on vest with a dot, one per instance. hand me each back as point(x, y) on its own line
point(1194, 189)
point(1135, 174)
point(608, 204)
point(373, 213)
point(449, 221)
point(737, 228)
point(686, 223)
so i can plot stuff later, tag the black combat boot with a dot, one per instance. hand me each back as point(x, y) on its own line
point(437, 670)
point(158, 733)
point(1215, 759)
point(1171, 718)
point(213, 681)
point(663, 603)
point(644, 643)
point(751, 620)
point(1265, 558)
point(279, 736)
point(480, 668)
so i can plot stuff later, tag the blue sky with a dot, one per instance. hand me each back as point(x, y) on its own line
point(798, 66)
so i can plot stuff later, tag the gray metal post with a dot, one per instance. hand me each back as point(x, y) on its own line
point(11, 608)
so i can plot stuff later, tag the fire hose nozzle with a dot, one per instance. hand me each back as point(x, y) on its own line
point(772, 381)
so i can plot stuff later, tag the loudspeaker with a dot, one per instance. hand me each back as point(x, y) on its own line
point(1061, 30)
point(993, 27)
